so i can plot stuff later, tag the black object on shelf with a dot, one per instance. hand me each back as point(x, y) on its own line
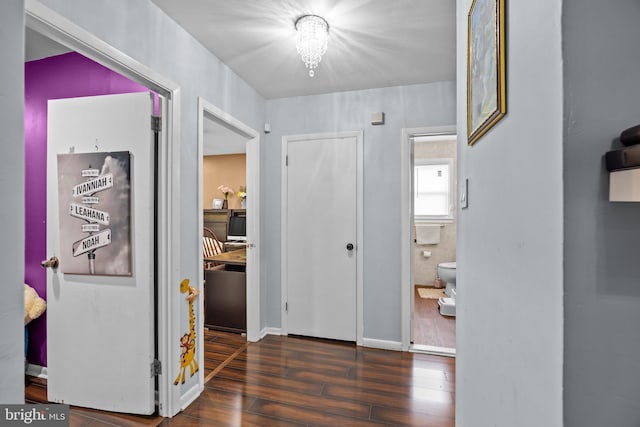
point(625, 158)
point(630, 136)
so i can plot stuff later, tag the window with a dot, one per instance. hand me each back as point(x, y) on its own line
point(432, 189)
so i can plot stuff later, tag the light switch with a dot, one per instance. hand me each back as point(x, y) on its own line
point(464, 197)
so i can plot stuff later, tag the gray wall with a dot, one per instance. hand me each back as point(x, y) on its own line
point(406, 106)
point(12, 191)
point(509, 259)
point(602, 239)
point(142, 31)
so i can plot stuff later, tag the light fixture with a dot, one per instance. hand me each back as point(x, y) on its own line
point(311, 41)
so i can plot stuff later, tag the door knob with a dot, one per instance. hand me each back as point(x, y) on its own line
point(52, 262)
point(349, 246)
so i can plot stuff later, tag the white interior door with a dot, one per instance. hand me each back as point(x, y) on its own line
point(100, 313)
point(321, 237)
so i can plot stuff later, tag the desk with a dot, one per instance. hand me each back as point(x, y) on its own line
point(226, 292)
point(238, 257)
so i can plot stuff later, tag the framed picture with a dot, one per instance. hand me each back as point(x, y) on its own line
point(94, 199)
point(486, 82)
point(217, 203)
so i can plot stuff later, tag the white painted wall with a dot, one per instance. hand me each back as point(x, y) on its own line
point(602, 239)
point(510, 255)
point(12, 190)
point(406, 106)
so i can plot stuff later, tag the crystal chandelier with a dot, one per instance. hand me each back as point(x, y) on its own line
point(311, 41)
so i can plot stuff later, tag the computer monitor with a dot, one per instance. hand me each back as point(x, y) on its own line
point(237, 228)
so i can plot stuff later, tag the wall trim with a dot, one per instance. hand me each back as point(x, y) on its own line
point(270, 331)
point(436, 351)
point(37, 371)
point(192, 394)
point(382, 344)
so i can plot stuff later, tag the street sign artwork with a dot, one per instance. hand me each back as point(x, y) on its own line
point(94, 196)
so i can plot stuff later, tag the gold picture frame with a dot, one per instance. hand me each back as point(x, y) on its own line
point(486, 74)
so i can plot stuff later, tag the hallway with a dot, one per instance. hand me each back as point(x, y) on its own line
point(301, 381)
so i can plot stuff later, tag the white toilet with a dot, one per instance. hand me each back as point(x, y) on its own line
point(447, 273)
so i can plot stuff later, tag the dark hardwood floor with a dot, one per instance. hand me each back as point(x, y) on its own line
point(283, 381)
point(429, 326)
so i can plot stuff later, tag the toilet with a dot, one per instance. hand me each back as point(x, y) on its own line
point(447, 273)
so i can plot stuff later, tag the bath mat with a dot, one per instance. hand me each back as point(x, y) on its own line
point(431, 293)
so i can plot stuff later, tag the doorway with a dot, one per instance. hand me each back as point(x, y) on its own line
point(428, 218)
point(74, 38)
point(434, 241)
point(321, 230)
point(227, 135)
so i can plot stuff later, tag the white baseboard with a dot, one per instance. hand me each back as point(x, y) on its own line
point(192, 394)
point(382, 344)
point(366, 342)
point(270, 331)
point(36, 371)
point(436, 351)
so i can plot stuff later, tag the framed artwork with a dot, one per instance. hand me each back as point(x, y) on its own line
point(486, 80)
point(217, 203)
point(94, 198)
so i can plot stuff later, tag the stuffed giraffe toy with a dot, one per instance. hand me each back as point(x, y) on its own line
point(188, 341)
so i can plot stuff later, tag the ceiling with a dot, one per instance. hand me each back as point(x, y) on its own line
point(372, 43)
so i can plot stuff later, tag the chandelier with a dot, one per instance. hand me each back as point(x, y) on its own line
point(311, 40)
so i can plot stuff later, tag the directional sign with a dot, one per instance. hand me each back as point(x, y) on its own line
point(92, 242)
point(92, 186)
point(89, 214)
point(90, 228)
point(90, 172)
point(90, 200)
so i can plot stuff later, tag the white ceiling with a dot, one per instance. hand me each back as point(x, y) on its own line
point(372, 43)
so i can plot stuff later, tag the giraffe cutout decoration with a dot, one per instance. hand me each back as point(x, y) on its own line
point(188, 341)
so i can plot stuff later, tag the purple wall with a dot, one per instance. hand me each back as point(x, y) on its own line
point(64, 76)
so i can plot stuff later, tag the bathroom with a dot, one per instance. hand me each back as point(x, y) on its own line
point(434, 242)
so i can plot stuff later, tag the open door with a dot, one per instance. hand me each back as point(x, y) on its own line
point(100, 226)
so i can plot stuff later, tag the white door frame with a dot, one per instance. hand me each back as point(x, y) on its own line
point(359, 219)
point(60, 29)
point(406, 267)
point(253, 215)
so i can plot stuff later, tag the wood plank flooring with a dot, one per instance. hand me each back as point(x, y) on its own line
point(429, 326)
point(296, 381)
